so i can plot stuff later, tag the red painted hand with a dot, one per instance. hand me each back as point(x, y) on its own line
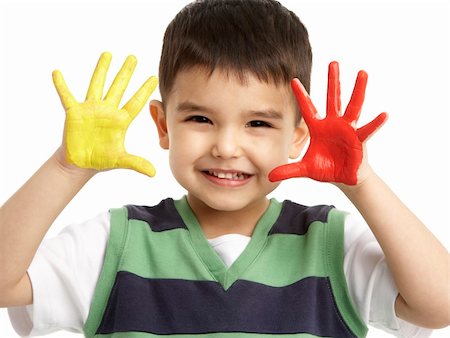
point(336, 151)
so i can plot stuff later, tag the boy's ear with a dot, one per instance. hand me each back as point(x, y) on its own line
point(159, 117)
point(301, 136)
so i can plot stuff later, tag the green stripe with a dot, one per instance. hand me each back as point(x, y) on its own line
point(203, 251)
point(114, 249)
point(166, 254)
point(288, 258)
point(334, 242)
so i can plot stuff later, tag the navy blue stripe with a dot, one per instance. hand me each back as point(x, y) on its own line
point(296, 219)
point(161, 217)
point(173, 306)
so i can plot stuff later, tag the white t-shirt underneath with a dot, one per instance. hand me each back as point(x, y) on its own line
point(65, 270)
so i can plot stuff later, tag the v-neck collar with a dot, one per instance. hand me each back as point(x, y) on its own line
point(227, 276)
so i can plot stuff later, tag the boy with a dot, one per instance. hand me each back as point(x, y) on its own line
point(219, 110)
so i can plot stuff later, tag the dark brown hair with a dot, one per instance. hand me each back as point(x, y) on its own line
point(260, 37)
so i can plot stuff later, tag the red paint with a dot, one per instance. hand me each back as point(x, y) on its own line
point(335, 152)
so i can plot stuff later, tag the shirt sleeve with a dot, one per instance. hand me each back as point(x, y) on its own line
point(371, 285)
point(63, 274)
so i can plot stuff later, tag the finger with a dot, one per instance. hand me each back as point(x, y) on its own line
point(286, 171)
point(95, 90)
point(353, 109)
point(64, 93)
point(370, 128)
point(307, 109)
point(334, 90)
point(137, 163)
point(121, 80)
point(135, 104)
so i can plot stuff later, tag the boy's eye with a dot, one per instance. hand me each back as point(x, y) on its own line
point(198, 119)
point(257, 124)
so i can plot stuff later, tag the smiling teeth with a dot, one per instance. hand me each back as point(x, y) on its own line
point(228, 176)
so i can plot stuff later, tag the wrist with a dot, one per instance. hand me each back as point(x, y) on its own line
point(362, 184)
point(59, 158)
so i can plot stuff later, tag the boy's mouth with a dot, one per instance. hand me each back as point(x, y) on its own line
point(228, 175)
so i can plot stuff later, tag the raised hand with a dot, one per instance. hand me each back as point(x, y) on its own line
point(336, 149)
point(94, 130)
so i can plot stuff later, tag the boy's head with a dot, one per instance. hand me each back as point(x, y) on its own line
point(228, 115)
point(260, 37)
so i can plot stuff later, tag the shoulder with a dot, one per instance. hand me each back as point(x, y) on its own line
point(160, 217)
point(91, 229)
point(296, 218)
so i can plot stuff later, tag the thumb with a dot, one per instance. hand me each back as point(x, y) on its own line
point(136, 163)
point(286, 171)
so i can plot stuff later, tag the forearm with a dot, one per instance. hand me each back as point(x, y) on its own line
point(26, 217)
point(418, 261)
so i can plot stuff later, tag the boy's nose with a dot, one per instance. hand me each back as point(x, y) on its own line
point(227, 145)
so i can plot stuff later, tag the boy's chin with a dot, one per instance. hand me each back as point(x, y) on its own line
point(225, 203)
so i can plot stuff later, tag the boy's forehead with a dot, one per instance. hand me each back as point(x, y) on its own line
point(229, 88)
point(241, 78)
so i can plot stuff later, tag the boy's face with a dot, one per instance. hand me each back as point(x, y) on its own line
point(224, 137)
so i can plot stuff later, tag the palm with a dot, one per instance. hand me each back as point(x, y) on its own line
point(333, 148)
point(95, 135)
point(336, 148)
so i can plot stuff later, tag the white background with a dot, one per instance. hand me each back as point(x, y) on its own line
point(403, 45)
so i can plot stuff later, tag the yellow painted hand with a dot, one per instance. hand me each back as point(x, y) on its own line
point(95, 129)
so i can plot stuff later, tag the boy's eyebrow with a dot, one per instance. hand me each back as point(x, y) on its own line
point(188, 106)
point(267, 113)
